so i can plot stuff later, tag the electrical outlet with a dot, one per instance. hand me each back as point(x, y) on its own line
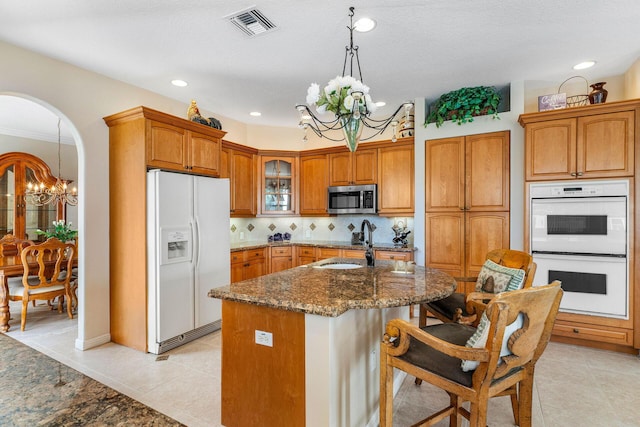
point(373, 360)
point(242, 235)
point(264, 338)
point(307, 234)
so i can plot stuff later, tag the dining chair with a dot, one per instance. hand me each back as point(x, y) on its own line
point(474, 364)
point(504, 269)
point(53, 259)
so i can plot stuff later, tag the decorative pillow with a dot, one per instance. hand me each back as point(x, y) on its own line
point(479, 339)
point(495, 278)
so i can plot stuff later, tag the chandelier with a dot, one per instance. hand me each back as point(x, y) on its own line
point(348, 98)
point(39, 194)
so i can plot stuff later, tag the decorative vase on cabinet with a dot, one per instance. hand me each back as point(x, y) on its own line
point(599, 94)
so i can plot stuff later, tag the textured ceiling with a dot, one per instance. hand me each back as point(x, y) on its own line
point(418, 49)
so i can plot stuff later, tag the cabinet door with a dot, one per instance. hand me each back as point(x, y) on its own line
point(487, 172)
point(550, 150)
point(225, 164)
point(605, 145)
point(281, 263)
point(243, 184)
point(485, 231)
point(278, 185)
point(254, 268)
point(353, 253)
point(365, 166)
point(444, 181)
point(340, 169)
point(166, 147)
point(395, 180)
point(204, 154)
point(324, 253)
point(237, 272)
point(314, 180)
point(444, 240)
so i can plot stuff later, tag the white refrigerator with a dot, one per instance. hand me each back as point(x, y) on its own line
point(188, 253)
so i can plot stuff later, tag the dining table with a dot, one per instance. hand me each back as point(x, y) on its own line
point(11, 266)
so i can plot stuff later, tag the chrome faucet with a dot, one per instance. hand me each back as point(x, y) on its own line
point(369, 242)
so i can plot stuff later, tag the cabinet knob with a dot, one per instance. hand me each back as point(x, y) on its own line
point(576, 331)
point(579, 173)
point(573, 174)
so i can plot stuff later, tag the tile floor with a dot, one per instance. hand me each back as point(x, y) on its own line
point(573, 385)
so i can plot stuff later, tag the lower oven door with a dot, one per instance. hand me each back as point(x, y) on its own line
point(593, 285)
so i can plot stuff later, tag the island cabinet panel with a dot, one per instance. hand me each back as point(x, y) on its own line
point(264, 385)
point(314, 180)
point(396, 179)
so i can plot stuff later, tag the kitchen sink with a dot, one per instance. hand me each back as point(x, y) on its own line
point(339, 266)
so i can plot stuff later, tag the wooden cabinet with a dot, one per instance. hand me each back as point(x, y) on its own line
point(18, 215)
point(324, 253)
point(570, 146)
point(174, 147)
point(314, 180)
point(239, 165)
point(305, 255)
point(353, 253)
point(281, 258)
point(278, 185)
point(467, 201)
point(393, 255)
point(141, 138)
point(248, 264)
point(396, 178)
point(357, 168)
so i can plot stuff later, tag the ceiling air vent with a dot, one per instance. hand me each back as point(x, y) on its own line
point(251, 21)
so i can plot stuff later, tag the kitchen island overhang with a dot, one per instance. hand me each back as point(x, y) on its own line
point(300, 347)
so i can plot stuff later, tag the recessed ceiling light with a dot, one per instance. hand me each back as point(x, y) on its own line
point(380, 104)
point(583, 65)
point(255, 113)
point(363, 25)
point(179, 83)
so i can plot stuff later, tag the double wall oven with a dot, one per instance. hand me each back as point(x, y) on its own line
point(579, 234)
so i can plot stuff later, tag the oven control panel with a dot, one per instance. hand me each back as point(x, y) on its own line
point(586, 190)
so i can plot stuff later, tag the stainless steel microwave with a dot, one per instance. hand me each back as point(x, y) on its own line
point(353, 199)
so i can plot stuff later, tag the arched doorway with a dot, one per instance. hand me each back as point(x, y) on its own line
point(30, 125)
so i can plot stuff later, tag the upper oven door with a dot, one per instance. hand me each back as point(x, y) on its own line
point(579, 225)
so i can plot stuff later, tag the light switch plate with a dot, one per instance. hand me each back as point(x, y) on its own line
point(264, 338)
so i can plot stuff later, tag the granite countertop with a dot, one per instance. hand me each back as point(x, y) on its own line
point(331, 292)
point(318, 243)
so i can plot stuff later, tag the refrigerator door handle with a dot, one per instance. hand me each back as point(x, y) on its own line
point(195, 231)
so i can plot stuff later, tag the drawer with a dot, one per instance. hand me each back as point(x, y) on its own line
point(594, 333)
point(237, 256)
point(306, 251)
point(394, 255)
point(328, 253)
point(352, 253)
point(281, 251)
point(254, 254)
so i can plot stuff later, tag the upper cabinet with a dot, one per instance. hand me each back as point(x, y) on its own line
point(357, 168)
point(278, 185)
point(396, 178)
point(584, 142)
point(314, 179)
point(18, 215)
point(238, 163)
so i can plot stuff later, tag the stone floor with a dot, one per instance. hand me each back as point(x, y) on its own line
point(573, 385)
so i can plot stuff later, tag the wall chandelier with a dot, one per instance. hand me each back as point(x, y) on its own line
point(348, 98)
point(39, 194)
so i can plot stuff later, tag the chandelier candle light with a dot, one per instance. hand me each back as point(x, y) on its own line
point(348, 98)
point(39, 194)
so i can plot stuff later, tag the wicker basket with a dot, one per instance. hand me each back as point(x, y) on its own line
point(576, 100)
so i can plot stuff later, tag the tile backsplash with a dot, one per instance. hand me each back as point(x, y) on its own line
point(335, 228)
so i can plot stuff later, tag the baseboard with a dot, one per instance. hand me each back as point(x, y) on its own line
point(93, 342)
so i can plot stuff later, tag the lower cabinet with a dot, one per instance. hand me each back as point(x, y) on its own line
point(394, 255)
point(281, 258)
point(247, 264)
point(305, 255)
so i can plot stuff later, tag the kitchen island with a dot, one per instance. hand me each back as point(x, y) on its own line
point(300, 347)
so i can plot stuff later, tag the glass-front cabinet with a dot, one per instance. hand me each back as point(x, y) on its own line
point(278, 185)
point(18, 216)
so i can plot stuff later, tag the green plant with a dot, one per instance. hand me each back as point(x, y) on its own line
point(60, 231)
point(463, 104)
